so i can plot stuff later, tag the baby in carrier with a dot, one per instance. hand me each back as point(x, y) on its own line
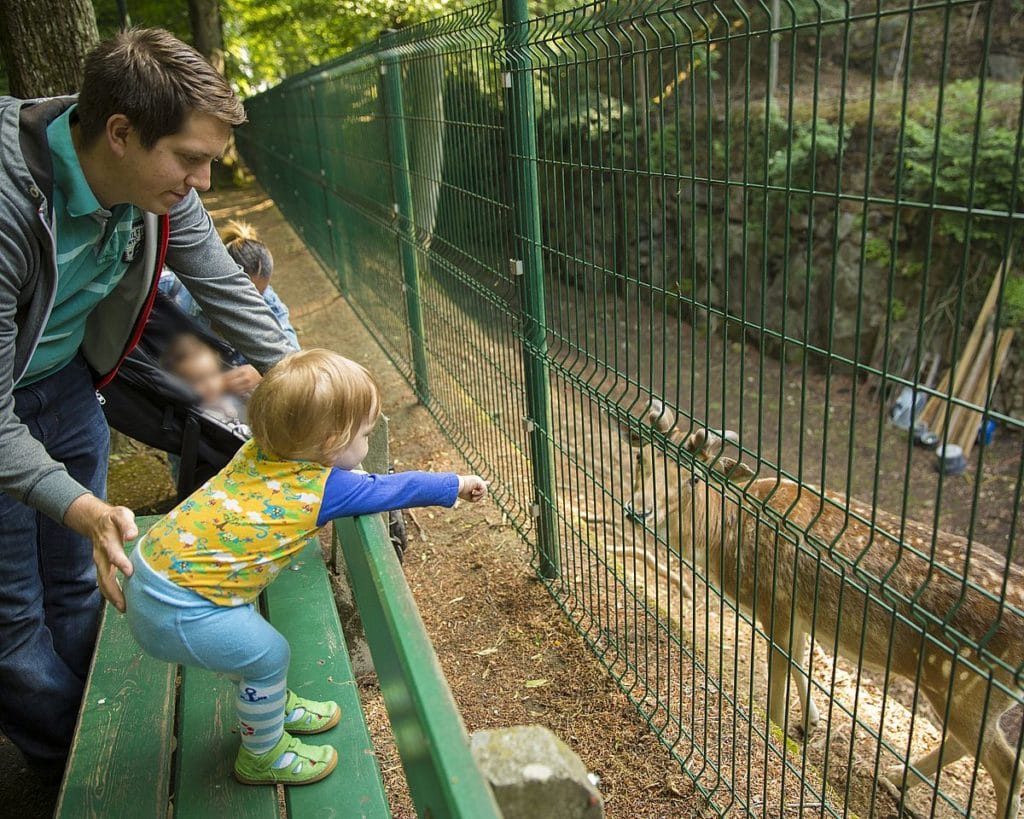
point(197, 364)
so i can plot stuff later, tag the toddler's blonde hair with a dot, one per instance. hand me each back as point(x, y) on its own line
point(311, 405)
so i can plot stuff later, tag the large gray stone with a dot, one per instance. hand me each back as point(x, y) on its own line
point(1006, 67)
point(535, 775)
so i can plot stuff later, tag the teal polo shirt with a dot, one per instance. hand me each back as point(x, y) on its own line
point(91, 253)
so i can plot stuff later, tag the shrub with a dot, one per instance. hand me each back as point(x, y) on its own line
point(939, 159)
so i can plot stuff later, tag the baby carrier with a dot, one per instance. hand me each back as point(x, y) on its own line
point(155, 407)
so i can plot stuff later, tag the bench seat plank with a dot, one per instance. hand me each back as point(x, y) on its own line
point(300, 604)
point(120, 759)
point(205, 784)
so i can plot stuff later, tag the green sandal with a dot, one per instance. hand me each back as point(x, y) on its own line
point(290, 762)
point(313, 717)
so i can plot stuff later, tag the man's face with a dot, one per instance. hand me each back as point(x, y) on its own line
point(160, 177)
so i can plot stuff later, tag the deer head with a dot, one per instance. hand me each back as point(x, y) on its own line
point(659, 481)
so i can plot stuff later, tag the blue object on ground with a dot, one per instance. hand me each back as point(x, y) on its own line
point(986, 431)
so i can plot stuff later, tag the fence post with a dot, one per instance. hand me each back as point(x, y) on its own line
point(394, 111)
point(528, 267)
point(321, 160)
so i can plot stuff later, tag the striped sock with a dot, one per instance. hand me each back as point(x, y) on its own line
point(261, 713)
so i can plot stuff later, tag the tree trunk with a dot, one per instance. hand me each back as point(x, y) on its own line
point(207, 31)
point(208, 38)
point(44, 42)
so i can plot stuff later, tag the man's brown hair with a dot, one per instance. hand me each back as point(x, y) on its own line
point(155, 80)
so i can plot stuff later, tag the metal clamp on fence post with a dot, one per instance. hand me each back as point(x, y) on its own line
point(528, 270)
point(394, 109)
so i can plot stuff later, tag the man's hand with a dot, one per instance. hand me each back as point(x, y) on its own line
point(472, 488)
point(108, 527)
point(241, 381)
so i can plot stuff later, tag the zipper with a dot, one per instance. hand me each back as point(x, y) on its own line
point(50, 232)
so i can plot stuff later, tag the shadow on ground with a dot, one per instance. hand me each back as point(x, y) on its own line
point(22, 794)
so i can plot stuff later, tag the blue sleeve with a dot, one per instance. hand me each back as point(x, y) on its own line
point(280, 311)
point(171, 286)
point(348, 493)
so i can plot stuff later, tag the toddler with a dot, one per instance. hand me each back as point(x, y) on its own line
point(199, 570)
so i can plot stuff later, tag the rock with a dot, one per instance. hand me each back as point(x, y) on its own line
point(535, 775)
point(1006, 67)
point(847, 222)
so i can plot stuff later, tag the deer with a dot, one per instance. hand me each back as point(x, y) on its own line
point(891, 594)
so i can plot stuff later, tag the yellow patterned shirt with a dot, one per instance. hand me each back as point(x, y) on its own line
point(235, 533)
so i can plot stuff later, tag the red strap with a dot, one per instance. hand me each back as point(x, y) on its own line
point(164, 227)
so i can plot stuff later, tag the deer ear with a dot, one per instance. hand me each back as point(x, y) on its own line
point(697, 441)
point(659, 416)
point(735, 471)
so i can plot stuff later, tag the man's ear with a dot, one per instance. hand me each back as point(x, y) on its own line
point(118, 132)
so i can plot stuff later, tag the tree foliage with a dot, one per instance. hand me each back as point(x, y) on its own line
point(270, 39)
point(267, 40)
point(169, 14)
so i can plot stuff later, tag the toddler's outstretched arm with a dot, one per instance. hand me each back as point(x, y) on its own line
point(358, 493)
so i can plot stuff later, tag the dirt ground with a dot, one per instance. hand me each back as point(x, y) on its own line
point(692, 669)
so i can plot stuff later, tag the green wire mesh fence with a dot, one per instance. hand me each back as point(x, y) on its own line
point(721, 299)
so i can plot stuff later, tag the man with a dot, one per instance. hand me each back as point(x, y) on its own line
point(95, 194)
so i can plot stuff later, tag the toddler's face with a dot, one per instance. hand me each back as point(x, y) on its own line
point(202, 373)
point(352, 455)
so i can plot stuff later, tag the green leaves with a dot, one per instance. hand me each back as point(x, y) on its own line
point(946, 160)
point(268, 40)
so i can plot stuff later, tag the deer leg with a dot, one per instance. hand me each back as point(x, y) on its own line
point(925, 767)
point(784, 664)
point(779, 669)
point(808, 709)
point(673, 577)
point(1000, 760)
point(997, 757)
point(779, 652)
point(970, 719)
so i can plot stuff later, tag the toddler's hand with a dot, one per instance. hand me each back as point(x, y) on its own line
point(472, 488)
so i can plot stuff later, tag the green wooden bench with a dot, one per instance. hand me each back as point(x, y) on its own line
point(155, 740)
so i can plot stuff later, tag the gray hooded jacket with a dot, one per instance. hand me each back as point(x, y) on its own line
point(28, 283)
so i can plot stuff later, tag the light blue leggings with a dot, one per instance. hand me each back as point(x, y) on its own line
point(178, 625)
